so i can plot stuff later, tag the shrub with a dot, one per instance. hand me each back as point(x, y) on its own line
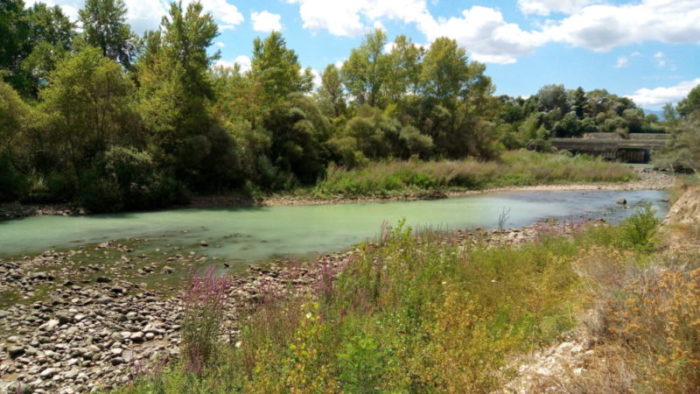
point(636, 232)
point(201, 324)
point(13, 185)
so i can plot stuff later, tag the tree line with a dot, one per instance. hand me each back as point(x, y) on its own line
point(112, 120)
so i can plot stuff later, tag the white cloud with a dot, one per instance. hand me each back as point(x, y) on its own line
point(485, 33)
point(353, 18)
point(266, 21)
point(603, 27)
point(490, 38)
point(622, 62)
point(317, 78)
point(660, 59)
point(546, 7)
point(657, 97)
point(242, 61)
point(220, 44)
point(145, 15)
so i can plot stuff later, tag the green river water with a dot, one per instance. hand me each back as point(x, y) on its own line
point(261, 233)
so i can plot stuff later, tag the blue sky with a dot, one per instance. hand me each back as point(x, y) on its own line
point(648, 50)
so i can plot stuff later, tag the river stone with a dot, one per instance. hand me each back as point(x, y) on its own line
point(15, 351)
point(52, 324)
point(137, 337)
point(48, 372)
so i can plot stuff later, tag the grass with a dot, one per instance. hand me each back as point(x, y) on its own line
point(430, 313)
point(515, 168)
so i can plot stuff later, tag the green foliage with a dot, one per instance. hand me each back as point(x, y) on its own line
point(276, 69)
point(366, 70)
point(422, 313)
point(89, 105)
point(637, 231)
point(13, 185)
point(683, 150)
point(516, 169)
point(104, 26)
point(445, 70)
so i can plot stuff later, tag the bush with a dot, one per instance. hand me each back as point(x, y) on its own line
point(13, 185)
point(126, 178)
point(203, 315)
point(637, 231)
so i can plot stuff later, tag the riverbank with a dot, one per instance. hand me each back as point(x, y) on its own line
point(609, 308)
point(644, 180)
point(99, 326)
point(416, 180)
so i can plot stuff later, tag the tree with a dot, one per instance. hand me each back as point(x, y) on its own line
point(365, 71)
point(51, 35)
point(176, 93)
point(445, 72)
point(14, 45)
point(553, 97)
point(578, 102)
point(331, 91)
point(403, 76)
point(105, 27)
point(276, 69)
point(89, 102)
point(689, 104)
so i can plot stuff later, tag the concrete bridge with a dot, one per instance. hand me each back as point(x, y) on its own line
point(636, 148)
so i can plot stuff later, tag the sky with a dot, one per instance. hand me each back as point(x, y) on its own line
point(648, 50)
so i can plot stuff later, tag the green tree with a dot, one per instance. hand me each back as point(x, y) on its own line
point(551, 97)
point(689, 104)
point(366, 70)
point(51, 35)
point(403, 76)
point(89, 103)
point(14, 42)
point(15, 119)
point(276, 69)
point(104, 26)
point(445, 73)
point(176, 90)
point(331, 92)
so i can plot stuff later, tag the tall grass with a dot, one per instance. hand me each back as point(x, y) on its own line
point(427, 313)
point(516, 168)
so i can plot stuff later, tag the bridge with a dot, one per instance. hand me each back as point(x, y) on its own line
point(635, 148)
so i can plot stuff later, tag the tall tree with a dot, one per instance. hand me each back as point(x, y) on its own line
point(89, 106)
point(331, 90)
point(176, 90)
point(276, 68)
point(51, 35)
point(445, 71)
point(404, 69)
point(104, 26)
point(689, 104)
point(14, 43)
point(366, 69)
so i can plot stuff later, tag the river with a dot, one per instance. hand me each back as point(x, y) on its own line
point(260, 233)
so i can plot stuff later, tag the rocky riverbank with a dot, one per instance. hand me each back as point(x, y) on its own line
point(97, 328)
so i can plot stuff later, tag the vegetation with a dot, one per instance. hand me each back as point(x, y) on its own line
point(110, 120)
point(519, 168)
point(429, 313)
point(683, 151)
